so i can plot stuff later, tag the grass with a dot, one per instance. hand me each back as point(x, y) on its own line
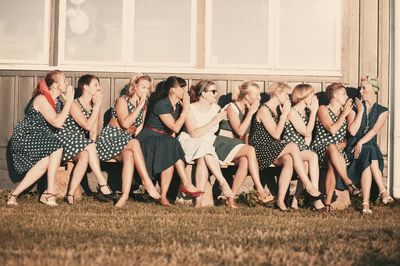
point(147, 234)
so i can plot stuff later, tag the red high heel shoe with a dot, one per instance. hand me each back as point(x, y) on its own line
point(189, 193)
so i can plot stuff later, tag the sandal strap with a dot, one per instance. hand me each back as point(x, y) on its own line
point(383, 191)
point(48, 193)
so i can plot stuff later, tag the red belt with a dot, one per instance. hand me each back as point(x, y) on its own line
point(162, 132)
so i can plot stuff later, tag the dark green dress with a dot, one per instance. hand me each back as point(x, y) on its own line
point(160, 149)
point(370, 151)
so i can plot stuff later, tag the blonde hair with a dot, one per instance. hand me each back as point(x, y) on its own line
point(277, 88)
point(373, 81)
point(135, 81)
point(245, 88)
point(300, 92)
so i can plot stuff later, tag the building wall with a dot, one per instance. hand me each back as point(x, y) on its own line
point(365, 50)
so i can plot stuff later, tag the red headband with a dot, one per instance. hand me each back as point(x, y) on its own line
point(44, 90)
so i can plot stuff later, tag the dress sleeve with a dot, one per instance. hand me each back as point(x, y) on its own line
point(381, 109)
point(161, 108)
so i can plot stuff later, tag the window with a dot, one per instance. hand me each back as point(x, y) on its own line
point(24, 31)
point(274, 36)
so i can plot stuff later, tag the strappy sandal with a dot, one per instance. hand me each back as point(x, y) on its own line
point(45, 199)
point(366, 211)
point(12, 203)
point(386, 200)
point(69, 202)
point(353, 190)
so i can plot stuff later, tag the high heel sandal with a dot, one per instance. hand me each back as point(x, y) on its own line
point(353, 190)
point(366, 211)
point(69, 202)
point(386, 200)
point(315, 198)
point(11, 203)
point(45, 199)
point(106, 197)
point(188, 193)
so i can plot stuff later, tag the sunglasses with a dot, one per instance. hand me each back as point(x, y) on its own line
point(213, 91)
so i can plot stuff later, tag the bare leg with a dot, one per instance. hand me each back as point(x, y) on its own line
point(378, 178)
point(293, 150)
point(366, 182)
point(33, 175)
point(213, 165)
point(77, 174)
point(127, 176)
point(338, 162)
point(330, 183)
point(166, 177)
point(180, 168)
point(240, 176)
point(313, 172)
point(54, 163)
point(201, 178)
point(140, 165)
point(286, 162)
point(94, 164)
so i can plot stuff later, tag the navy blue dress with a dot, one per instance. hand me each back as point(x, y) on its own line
point(370, 151)
point(160, 149)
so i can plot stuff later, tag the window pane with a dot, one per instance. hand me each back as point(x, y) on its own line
point(307, 33)
point(162, 31)
point(239, 32)
point(94, 31)
point(22, 30)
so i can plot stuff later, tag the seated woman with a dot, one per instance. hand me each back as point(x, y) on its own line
point(334, 120)
point(366, 161)
point(162, 152)
point(299, 130)
point(116, 139)
point(35, 148)
point(74, 136)
point(197, 139)
point(265, 136)
point(233, 136)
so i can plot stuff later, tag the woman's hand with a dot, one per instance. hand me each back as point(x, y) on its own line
point(219, 117)
point(254, 107)
point(285, 108)
point(357, 150)
point(314, 104)
point(359, 106)
point(97, 98)
point(348, 106)
point(185, 101)
point(68, 97)
point(142, 101)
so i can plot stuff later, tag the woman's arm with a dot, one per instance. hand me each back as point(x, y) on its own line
point(238, 127)
point(275, 130)
point(327, 122)
point(126, 119)
point(56, 120)
point(197, 132)
point(170, 122)
point(300, 126)
point(354, 120)
point(89, 123)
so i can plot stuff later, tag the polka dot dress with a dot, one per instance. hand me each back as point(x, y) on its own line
point(267, 148)
point(73, 137)
point(323, 138)
point(32, 140)
point(291, 135)
point(113, 140)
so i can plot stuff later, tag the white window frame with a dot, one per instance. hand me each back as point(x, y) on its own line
point(46, 42)
point(271, 68)
point(193, 43)
point(72, 64)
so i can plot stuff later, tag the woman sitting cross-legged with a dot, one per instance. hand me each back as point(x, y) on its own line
point(162, 152)
point(265, 136)
point(334, 120)
point(78, 137)
point(35, 148)
point(366, 160)
point(299, 130)
point(233, 136)
point(117, 141)
point(197, 139)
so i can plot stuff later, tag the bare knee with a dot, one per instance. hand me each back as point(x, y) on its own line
point(127, 155)
point(287, 160)
point(331, 149)
point(83, 156)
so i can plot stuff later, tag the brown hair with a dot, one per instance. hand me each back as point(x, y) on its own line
point(277, 88)
point(240, 92)
point(50, 79)
point(300, 92)
point(196, 90)
point(135, 81)
point(332, 89)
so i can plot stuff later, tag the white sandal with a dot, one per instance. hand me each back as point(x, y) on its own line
point(386, 200)
point(366, 211)
point(10, 201)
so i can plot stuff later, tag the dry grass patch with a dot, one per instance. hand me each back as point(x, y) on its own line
point(145, 233)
